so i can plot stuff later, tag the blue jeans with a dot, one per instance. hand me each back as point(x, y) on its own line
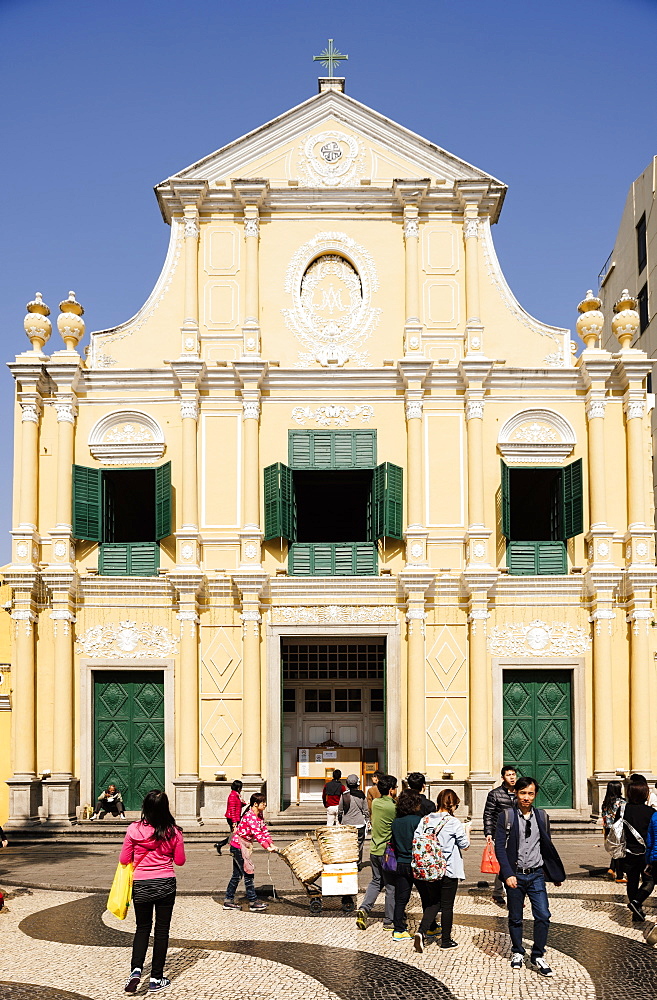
point(533, 886)
point(239, 873)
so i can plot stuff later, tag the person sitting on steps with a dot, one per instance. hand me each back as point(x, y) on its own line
point(109, 801)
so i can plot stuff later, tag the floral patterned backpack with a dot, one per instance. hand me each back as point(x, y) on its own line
point(427, 858)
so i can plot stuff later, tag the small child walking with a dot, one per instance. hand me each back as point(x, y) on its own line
point(233, 814)
point(250, 828)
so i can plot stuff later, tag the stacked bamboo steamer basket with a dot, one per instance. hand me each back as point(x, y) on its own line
point(338, 845)
point(303, 859)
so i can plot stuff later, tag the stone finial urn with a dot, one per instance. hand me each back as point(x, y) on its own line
point(36, 323)
point(626, 322)
point(70, 323)
point(591, 320)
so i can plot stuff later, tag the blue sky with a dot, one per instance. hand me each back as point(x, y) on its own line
point(101, 101)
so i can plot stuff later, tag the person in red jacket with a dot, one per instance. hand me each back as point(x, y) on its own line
point(234, 807)
point(331, 795)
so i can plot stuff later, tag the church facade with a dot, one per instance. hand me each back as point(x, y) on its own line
point(331, 495)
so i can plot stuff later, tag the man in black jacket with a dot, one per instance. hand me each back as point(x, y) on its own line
point(528, 859)
point(498, 799)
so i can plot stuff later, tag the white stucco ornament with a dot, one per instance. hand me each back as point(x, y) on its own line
point(60, 549)
point(333, 614)
point(337, 415)
point(127, 639)
point(539, 638)
point(331, 279)
point(641, 550)
point(250, 551)
point(187, 551)
point(127, 437)
point(416, 550)
point(22, 550)
point(331, 159)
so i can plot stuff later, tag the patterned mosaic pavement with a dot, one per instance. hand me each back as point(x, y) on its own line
point(58, 944)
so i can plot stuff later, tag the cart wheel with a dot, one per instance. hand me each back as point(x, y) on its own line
point(316, 905)
point(347, 904)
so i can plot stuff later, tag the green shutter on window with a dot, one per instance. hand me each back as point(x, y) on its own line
point(572, 500)
point(536, 558)
point(163, 501)
point(129, 559)
point(87, 510)
point(280, 514)
point(506, 501)
point(323, 449)
point(387, 501)
point(333, 559)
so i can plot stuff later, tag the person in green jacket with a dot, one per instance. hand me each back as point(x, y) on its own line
point(384, 811)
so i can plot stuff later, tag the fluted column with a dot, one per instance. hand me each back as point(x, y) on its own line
point(189, 420)
point(190, 327)
point(474, 415)
point(603, 714)
point(188, 703)
point(63, 619)
point(251, 452)
point(29, 452)
point(251, 697)
point(414, 471)
point(641, 719)
point(416, 710)
point(66, 413)
point(252, 195)
point(634, 411)
point(23, 703)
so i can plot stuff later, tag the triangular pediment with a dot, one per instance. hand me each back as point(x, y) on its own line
point(331, 140)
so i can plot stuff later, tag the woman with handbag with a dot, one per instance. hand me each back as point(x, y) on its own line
point(611, 804)
point(153, 846)
point(438, 895)
point(409, 813)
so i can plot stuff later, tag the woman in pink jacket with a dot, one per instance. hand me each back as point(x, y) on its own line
point(153, 846)
point(233, 813)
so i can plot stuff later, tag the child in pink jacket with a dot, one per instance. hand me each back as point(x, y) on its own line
point(233, 813)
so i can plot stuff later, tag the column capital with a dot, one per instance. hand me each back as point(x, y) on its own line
point(189, 405)
point(67, 410)
point(31, 408)
point(634, 405)
point(414, 406)
point(595, 406)
point(474, 407)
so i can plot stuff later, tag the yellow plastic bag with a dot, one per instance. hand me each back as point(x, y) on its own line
point(120, 894)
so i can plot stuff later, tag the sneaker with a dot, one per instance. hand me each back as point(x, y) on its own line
point(418, 942)
point(636, 911)
point(433, 935)
point(621, 881)
point(401, 936)
point(133, 982)
point(156, 985)
point(92, 818)
point(499, 901)
point(388, 927)
point(257, 907)
point(542, 967)
point(449, 943)
point(517, 960)
point(230, 904)
point(361, 919)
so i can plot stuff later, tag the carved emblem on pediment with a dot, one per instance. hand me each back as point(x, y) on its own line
point(127, 437)
point(127, 639)
point(331, 159)
point(539, 638)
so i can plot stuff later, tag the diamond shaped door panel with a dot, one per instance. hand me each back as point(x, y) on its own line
point(538, 731)
point(129, 733)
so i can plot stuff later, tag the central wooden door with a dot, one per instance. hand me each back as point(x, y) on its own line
point(129, 733)
point(538, 731)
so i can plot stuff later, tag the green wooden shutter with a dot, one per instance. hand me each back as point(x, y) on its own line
point(87, 509)
point(163, 501)
point(144, 558)
point(506, 501)
point(324, 449)
point(551, 558)
point(114, 559)
point(522, 558)
point(280, 515)
point(387, 501)
point(572, 500)
point(299, 445)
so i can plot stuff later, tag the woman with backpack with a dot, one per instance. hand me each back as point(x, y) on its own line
point(353, 811)
point(611, 804)
point(438, 894)
point(153, 846)
point(636, 820)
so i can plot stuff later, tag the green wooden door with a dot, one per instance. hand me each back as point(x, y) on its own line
point(129, 733)
point(538, 731)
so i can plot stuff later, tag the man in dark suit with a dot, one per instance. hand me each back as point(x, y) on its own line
point(528, 859)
